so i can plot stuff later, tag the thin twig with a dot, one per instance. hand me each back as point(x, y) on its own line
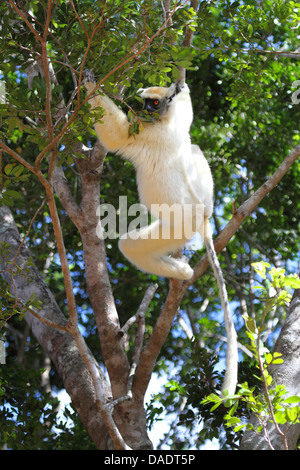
point(63, 257)
point(138, 344)
point(141, 310)
point(17, 157)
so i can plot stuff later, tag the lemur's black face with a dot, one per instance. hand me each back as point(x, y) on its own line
point(155, 105)
point(157, 100)
point(152, 104)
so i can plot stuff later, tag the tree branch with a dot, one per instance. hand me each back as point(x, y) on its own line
point(105, 409)
point(57, 343)
point(140, 317)
point(161, 330)
point(187, 42)
point(141, 310)
point(244, 211)
point(63, 191)
point(97, 278)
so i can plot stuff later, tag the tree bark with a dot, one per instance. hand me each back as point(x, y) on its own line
point(61, 347)
point(97, 278)
point(129, 414)
point(58, 344)
point(288, 374)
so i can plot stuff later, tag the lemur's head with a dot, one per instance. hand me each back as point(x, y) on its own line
point(157, 99)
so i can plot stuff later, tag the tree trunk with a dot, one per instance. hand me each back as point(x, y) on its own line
point(287, 373)
point(61, 347)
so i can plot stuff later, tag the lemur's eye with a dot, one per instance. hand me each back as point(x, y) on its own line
point(155, 102)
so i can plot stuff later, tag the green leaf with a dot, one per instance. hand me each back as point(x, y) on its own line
point(13, 194)
point(292, 399)
point(9, 168)
point(214, 407)
point(268, 358)
point(260, 268)
point(293, 282)
point(238, 428)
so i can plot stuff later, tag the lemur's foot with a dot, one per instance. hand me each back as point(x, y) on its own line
point(183, 272)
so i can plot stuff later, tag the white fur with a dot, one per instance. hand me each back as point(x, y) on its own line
point(170, 170)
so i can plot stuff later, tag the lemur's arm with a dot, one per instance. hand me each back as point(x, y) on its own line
point(113, 130)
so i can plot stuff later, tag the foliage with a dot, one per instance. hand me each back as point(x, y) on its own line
point(241, 81)
point(271, 404)
point(29, 416)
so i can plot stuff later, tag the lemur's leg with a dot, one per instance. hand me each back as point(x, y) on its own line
point(147, 248)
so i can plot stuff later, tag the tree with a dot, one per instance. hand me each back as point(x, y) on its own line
point(51, 166)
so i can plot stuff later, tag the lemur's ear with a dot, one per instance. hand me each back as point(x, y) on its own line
point(171, 90)
point(179, 86)
point(174, 89)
